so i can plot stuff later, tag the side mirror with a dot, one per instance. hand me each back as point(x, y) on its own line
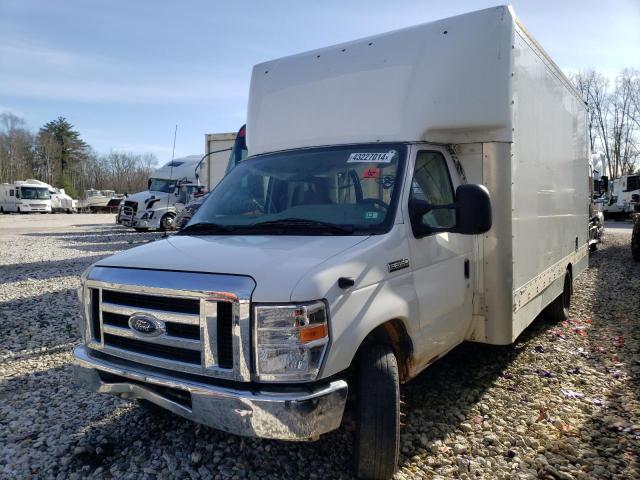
point(471, 210)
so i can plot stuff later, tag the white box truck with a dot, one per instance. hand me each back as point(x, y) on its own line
point(404, 193)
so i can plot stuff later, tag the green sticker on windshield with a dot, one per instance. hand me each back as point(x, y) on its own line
point(371, 215)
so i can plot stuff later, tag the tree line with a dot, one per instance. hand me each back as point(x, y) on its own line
point(614, 117)
point(57, 155)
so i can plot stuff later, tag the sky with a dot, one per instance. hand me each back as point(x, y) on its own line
point(125, 73)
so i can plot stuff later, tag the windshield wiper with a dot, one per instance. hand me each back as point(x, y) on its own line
point(305, 223)
point(206, 228)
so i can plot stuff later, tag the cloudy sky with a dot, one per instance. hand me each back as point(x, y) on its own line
point(125, 73)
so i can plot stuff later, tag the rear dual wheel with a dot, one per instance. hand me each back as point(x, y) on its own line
point(558, 310)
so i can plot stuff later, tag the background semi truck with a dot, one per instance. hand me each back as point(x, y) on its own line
point(405, 192)
point(158, 209)
point(169, 190)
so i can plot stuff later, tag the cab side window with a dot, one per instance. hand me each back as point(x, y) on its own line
point(431, 183)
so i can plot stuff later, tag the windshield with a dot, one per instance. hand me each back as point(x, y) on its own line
point(162, 185)
point(32, 193)
point(285, 193)
point(186, 192)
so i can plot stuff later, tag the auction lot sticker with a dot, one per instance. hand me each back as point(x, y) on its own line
point(379, 157)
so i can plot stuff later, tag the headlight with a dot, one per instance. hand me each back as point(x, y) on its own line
point(290, 341)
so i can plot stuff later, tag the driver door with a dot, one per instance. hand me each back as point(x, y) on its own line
point(441, 261)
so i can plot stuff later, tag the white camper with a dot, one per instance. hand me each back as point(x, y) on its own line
point(60, 201)
point(170, 189)
point(28, 196)
point(405, 192)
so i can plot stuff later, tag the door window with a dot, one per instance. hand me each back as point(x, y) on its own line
point(431, 183)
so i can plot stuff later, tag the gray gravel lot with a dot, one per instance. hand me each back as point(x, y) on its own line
point(562, 403)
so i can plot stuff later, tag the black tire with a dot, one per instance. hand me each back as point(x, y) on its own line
point(558, 310)
point(166, 222)
point(377, 439)
point(635, 242)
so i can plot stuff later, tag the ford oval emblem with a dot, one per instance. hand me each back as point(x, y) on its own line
point(146, 325)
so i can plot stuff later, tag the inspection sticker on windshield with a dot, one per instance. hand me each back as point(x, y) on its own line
point(373, 172)
point(378, 157)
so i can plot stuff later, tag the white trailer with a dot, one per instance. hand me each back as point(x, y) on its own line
point(623, 197)
point(405, 192)
point(630, 192)
point(28, 196)
point(169, 189)
point(217, 150)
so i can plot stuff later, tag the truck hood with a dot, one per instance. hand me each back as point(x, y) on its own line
point(140, 197)
point(275, 262)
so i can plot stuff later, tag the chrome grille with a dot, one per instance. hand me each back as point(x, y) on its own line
point(203, 331)
point(129, 209)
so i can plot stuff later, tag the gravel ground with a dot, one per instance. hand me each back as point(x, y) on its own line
point(561, 403)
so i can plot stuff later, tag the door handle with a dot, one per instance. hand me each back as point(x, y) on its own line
point(466, 268)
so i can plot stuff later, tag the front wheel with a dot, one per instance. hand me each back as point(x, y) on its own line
point(166, 222)
point(377, 438)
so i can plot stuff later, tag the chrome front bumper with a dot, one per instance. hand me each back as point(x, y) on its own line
point(299, 414)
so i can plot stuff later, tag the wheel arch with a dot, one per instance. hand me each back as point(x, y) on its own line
point(394, 333)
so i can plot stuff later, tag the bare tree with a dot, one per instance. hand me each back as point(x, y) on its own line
point(16, 149)
point(613, 118)
point(584, 83)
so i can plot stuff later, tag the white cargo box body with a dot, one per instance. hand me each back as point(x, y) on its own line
point(478, 81)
